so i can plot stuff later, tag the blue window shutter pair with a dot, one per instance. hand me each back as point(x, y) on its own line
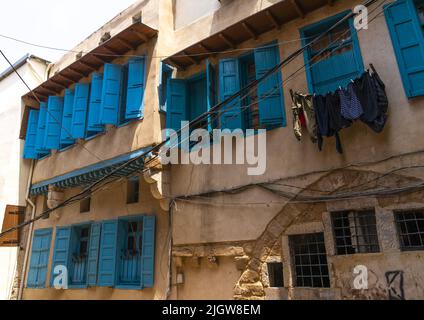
point(40, 253)
point(40, 145)
point(176, 103)
point(135, 89)
point(148, 252)
point(31, 135)
point(66, 131)
point(61, 250)
point(94, 124)
point(53, 122)
point(111, 94)
point(79, 114)
point(270, 96)
point(408, 42)
point(229, 83)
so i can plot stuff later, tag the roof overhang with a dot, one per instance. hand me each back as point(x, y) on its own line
point(86, 63)
point(84, 176)
point(250, 28)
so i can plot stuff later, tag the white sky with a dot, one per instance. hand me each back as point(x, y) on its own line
point(53, 23)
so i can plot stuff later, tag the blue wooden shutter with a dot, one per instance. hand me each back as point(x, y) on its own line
point(40, 253)
point(40, 145)
point(66, 132)
point(108, 252)
point(270, 96)
point(229, 84)
point(31, 135)
point(176, 103)
point(165, 73)
point(408, 42)
point(79, 115)
point(111, 94)
point(135, 89)
point(211, 90)
point(93, 254)
point(93, 124)
point(148, 252)
point(53, 122)
point(61, 250)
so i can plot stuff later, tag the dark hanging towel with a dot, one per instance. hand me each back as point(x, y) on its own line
point(351, 107)
point(303, 115)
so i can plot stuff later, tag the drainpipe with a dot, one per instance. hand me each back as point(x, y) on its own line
point(30, 231)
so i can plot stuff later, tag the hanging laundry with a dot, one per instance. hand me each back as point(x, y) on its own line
point(303, 115)
point(351, 107)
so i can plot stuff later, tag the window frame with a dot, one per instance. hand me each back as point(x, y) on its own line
point(402, 247)
point(72, 242)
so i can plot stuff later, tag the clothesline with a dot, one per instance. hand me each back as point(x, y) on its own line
point(364, 99)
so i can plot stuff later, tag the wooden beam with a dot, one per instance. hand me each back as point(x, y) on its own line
point(299, 10)
point(66, 77)
point(176, 64)
point(98, 57)
point(330, 3)
point(58, 83)
point(82, 75)
point(126, 44)
point(140, 35)
point(227, 41)
point(88, 65)
point(110, 50)
point(249, 30)
point(273, 20)
point(194, 61)
point(48, 90)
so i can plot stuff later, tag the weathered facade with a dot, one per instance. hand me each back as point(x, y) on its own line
point(303, 228)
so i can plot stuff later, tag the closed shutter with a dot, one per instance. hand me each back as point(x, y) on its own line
point(211, 91)
point(148, 252)
point(270, 96)
point(13, 216)
point(66, 132)
point(53, 122)
point(31, 135)
point(108, 252)
point(176, 104)
point(61, 250)
point(93, 254)
point(94, 124)
point(40, 253)
point(135, 89)
point(229, 84)
point(111, 94)
point(40, 144)
point(79, 115)
point(408, 42)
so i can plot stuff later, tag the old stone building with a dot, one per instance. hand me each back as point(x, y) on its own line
point(315, 225)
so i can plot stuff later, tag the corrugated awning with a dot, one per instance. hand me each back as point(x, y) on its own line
point(250, 28)
point(92, 173)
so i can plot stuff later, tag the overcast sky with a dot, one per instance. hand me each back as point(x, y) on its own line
point(52, 23)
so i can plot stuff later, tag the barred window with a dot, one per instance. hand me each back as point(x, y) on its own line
point(410, 225)
point(310, 260)
point(355, 232)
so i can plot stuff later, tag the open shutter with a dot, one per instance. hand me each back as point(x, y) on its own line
point(271, 105)
point(61, 250)
point(165, 73)
point(408, 42)
point(40, 144)
point(108, 252)
point(229, 84)
point(148, 252)
point(13, 216)
point(79, 115)
point(176, 103)
point(31, 135)
point(93, 254)
point(135, 89)
point(111, 94)
point(211, 89)
point(66, 131)
point(94, 124)
point(53, 122)
point(40, 253)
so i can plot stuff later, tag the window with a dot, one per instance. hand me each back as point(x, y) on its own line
point(310, 260)
point(85, 205)
point(40, 253)
point(405, 22)
point(336, 58)
point(410, 226)
point(79, 255)
point(133, 187)
point(355, 232)
point(275, 274)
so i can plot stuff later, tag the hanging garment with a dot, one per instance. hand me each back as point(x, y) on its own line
point(303, 115)
point(351, 107)
point(382, 103)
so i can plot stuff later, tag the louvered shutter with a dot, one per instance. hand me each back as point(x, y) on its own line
point(31, 135)
point(135, 89)
point(40, 253)
point(108, 252)
point(93, 254)
point(79, 115)
point(61, 250)
point(176, 104)
point(13, 216)
point(148, 252)
point(40, 144)
point(66, 132)
point(111, 94)
point(94, 124)
point(53, 122)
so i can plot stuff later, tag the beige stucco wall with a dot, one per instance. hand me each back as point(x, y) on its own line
point(13, 169)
